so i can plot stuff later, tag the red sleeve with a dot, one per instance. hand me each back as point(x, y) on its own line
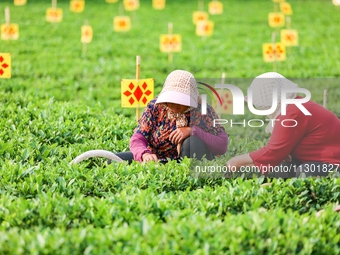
point(138, 146)
point(282, 141)
point(217, 144)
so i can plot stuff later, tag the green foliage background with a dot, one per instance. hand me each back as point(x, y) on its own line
point(60, 103)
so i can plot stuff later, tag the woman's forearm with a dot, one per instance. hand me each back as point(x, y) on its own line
point(217, 144)
point(138, 146)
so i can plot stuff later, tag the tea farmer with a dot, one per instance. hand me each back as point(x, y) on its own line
point(172, 126)
point(310, 142)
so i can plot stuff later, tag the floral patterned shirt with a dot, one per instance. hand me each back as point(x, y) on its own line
point(156, 127)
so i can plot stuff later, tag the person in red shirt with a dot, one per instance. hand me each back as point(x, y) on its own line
point(299, 143)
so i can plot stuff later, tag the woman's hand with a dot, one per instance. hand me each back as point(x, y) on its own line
point(180, 134)
point(149, 157)
point(237, 162)
point(288, 158)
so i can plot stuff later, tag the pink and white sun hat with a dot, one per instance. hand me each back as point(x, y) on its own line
point(262, 88)
point(179, 88)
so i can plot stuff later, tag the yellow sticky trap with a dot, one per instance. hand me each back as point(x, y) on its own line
point(199, 16)
point(289, 37)
point(131, 5)
point(9, 32)
point(77, 6)
point(170, 43)
point(135, 93)
point(5, 65)
point(158, 4)
point(273, 52)
point(121, 23)
point(54, 15)
point(336, 2)
point(286, 8)
point(276, 19)
point(215, 8)
point(227, 102)
point(86, 34)
point(205, 28)
point(20, 2)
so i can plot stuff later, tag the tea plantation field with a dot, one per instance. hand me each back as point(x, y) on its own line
point(61, 102)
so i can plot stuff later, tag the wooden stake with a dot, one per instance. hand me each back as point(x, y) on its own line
point(7, 20)
point(223, 78)
point(288, 21)
point(121, 9)
point(137, 78)
point(325, 98)
point(274, 50)
point(54, 4)
point(7, 16)
point(86, 22)
point(170, 28)
point(219, 106)
point(200, 5)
